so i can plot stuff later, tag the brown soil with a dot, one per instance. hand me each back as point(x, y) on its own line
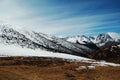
point(19, 68)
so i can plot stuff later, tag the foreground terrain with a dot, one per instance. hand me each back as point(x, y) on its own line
point(35, 68)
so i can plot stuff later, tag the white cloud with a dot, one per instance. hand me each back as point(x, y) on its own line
point(24, 17)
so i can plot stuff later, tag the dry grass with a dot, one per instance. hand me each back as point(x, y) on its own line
point(53, 69)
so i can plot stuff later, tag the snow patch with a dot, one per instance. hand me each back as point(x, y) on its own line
point(114, 35)
point(86, 67)
point(81, 39)
point(14, 50)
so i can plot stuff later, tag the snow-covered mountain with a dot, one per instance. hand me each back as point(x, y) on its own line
point(79, 39)
point(76, 45)
point(34, 40)
point(99, 40)
point(31, 43)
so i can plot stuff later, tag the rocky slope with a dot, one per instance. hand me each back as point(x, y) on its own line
point(110, 54)
point(34, 40)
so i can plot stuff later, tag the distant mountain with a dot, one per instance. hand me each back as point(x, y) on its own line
point(79, 39)
point(114, 36)
point(100, 40)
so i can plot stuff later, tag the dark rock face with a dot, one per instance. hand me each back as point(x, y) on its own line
point(110, 54)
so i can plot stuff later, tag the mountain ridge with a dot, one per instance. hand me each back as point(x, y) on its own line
point(99, 40)
point(31, 42)
point(36, 40)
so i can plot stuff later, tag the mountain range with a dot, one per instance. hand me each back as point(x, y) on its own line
point(79, 45)
point(99, 40)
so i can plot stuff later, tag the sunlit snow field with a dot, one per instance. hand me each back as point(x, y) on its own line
point(14, 50)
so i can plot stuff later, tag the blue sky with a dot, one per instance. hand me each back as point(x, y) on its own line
point(62, 17)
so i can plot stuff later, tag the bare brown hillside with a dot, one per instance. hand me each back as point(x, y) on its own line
point(19, 68)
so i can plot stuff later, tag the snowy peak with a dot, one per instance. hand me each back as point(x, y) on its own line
point(99, 40)
point(79, 39)
point(114, 36)
point(102, 38)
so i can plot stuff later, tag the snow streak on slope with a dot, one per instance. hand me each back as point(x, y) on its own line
point(13, 50)
point(34, 40)
point(54, 42)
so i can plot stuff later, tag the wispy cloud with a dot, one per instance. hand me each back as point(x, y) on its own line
point(65, 18)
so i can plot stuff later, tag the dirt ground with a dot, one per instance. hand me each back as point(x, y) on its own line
point(18, 68)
